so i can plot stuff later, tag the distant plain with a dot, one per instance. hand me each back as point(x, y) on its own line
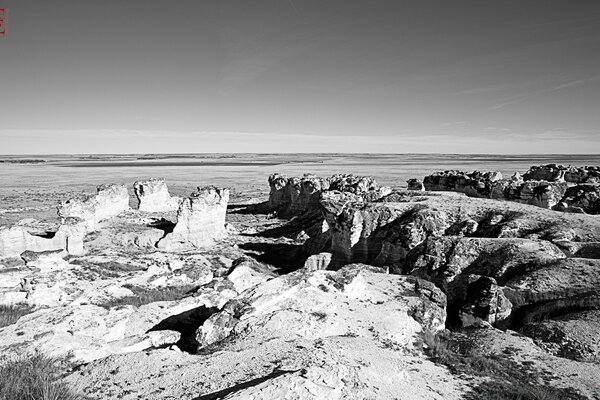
point(34, 189)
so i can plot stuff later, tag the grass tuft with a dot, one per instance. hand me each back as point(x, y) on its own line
point(146, 296)
point(9, 314)
point(508, 379)
point(34, 377)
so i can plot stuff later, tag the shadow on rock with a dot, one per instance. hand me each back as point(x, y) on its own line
point(186, 323)
point(251, 208)
point(241, 386)
point(283, 256)
point(163, 224)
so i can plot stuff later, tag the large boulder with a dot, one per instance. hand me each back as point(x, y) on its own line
point(153, 196)
point(109, 201)
point(200, 220)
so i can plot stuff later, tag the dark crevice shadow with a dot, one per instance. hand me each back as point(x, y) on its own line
point(186, 323)
point(251, 208)
point(162, 224)
point(244, 385)
point(283, 256)
point(45, 235)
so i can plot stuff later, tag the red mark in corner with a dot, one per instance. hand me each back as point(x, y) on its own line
point(3, 21)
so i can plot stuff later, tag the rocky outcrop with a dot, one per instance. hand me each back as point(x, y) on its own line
point(89, 332)
point(200, 220)
point(560, 173)
point(581, 198)
point(17, 239)
point(478, 184)
point(290, 196)
point(299, 305)
point(317, 262)
point(484, 302)
point(547, 186)
point(319, 335)
point(246, 273)
point(415, 184)
point(153, 196)
point(377, 233)
point(109, 201)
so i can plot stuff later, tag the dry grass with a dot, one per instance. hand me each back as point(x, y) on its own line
point(34, 377)
point(11, 313)
point(146, 296)
point(508, 380)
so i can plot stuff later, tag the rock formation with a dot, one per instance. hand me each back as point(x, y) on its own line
point(476, 255)
point(200, 220)
point(560, 173)
point(153, 196)
point(415, 184)
point(292, 196)
point(548, 186)
point(17, 239)
point(109, 201)
point(407, 306)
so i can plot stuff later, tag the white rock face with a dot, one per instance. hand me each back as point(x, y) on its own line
point(109, 201)
point(318, 261)
point(17, 239)
point(200, 220)
point(154, 196)
point(91, 332)
point(320, 304)
point(248, 273)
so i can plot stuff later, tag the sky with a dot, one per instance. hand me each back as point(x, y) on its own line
point(195, 76)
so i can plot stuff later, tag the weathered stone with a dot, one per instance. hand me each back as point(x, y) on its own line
point(560, 173)
point(318, 261)
point(321, 304)
point(485, 302)
point(583, 197)
point(291, 196)
point(200, 220)
point(415, 184)
point(109, 201)
point(246, 273)
point(153, 196)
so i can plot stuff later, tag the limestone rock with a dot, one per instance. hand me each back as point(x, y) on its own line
point(477, 184)
point(200, 220)
point(246, 273)
point(90, 332)
point(109, 201)
point(318, 262)
point(541, 193)
point(583, 197)
point(321, 304)
point(415, 184)
point(17, 239)
point(484, 303)
point(560, 173)
point(291, 196)
point(153, 196)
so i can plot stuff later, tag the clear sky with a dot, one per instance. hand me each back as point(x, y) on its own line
point(460, 76)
